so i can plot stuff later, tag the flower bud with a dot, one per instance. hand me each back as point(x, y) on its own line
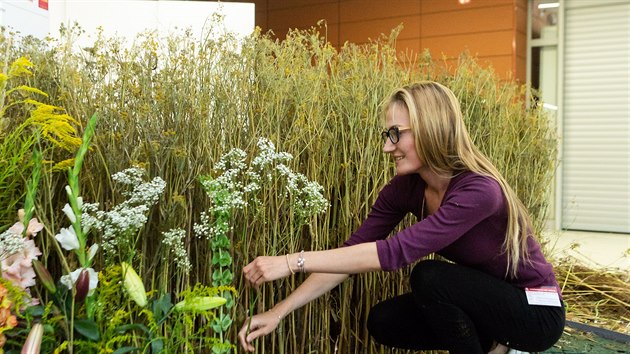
point(67, 209)
point(44, 276)
point(21, 214)
point(68, 191)
point(82, 286)
point(133, 284)
point(34, 341)
point(92, 252)
point(200, 303)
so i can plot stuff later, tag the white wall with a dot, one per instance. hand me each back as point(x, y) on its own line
point(24, 16)
point(124, 18)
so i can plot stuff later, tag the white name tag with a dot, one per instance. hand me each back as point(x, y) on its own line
point(544, 295)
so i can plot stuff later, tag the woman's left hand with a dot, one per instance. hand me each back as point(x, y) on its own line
point(264, 269)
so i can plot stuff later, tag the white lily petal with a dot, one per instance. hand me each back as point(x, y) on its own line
point(93, 280)
point(70, 279)
point(68, 239)
point(92, 251)
point(67, 209)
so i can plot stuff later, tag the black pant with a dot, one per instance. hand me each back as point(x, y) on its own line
point(455, 308)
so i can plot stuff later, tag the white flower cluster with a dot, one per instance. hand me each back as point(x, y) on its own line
point(130, 177)
point(174, 241)
point(126, 218)
point(238, 183)
point(10, 243)
point(306, 196)
point(203, 228)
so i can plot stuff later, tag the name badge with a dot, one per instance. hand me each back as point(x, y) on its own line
point(544, 295)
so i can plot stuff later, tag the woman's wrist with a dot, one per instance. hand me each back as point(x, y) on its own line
point(279, 311)
point(296, 262)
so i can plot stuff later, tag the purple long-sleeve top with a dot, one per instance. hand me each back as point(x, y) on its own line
point(468, 228)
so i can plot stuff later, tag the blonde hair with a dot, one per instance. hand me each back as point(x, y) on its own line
point(443, 143)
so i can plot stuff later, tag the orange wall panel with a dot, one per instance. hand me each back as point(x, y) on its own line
point(303, 17)
point(362, 10)
point(430, 6)
point(285, 4)
point(481, 44)
point(467, 21)
point(494, 30)
point(360, 32)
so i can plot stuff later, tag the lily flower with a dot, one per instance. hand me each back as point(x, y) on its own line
point(70, 279)
point(44, 276)
point(68, 239)
point(34, 341)
point(82, 285)
point(133, 284)
point(200, 303)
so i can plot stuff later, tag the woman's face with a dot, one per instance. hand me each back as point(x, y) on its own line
point(403, 152)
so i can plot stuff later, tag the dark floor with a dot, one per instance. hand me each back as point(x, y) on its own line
point(577, 342)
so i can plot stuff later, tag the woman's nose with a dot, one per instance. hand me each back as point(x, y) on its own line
point(388, 147)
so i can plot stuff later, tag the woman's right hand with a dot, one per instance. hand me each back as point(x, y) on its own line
point(260, 325)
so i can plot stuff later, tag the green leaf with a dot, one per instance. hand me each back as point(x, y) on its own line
point(161, 307)
point(132, 326)
point(157, 346)
point(227, 277)
point(221, 323)
point(126, 350)
point(87, 328)
point(35, 311)
point(225, 259)
point(220, 242)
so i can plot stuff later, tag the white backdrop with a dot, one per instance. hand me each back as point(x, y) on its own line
point(123, 18)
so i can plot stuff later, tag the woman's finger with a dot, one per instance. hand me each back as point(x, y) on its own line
point(257, 332)
point(242, 336)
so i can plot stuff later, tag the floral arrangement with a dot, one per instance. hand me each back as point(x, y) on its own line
point(18, 250)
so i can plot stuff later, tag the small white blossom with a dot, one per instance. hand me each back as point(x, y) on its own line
point(10, 243)
point(174, 241)
point(120, 224)
point(68, 238)
point(202, 229)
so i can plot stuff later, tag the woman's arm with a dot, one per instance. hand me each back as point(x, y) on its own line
point(262, 324)
point(359, 258)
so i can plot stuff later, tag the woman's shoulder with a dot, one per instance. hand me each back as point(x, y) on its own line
point(477, 186)
point(468, 178)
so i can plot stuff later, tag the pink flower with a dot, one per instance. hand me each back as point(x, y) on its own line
point(18, 267)
point(32, 229)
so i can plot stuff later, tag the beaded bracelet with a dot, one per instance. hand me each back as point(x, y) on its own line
point(301, 261)
point(288, 264)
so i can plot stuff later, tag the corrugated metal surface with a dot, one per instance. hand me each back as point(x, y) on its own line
point(596, 178)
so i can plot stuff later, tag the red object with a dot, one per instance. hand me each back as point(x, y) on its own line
point(43, 4)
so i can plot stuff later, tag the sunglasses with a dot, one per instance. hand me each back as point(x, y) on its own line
point(393, 134)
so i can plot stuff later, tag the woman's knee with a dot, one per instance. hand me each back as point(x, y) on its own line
point(426, 275)
point(378, 320)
